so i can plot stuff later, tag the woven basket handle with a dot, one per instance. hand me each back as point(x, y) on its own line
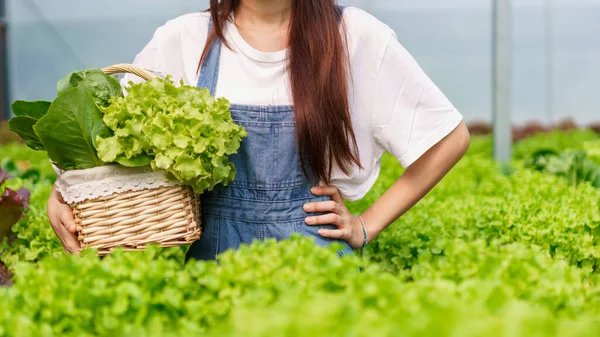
point(128, 68)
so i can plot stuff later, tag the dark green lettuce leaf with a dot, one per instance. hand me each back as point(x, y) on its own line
point(102, 86)
point(35, 110)
point(137, 161)
point(26, 115)
point(573, 165)
point(69, 129)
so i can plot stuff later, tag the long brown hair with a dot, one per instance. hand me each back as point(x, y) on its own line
point(318, 66)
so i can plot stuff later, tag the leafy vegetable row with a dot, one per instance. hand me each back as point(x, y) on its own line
point(292, 288)
point(489, 252)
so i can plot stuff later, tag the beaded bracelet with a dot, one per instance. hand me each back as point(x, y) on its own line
point(364, 227)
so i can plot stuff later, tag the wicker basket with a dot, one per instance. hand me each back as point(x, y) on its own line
point(169, 216)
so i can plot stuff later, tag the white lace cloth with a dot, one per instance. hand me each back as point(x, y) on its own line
point(80, 185)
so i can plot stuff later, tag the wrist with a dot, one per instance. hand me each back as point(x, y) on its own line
point(56, 194)
point(364, 229)
point(373, 230)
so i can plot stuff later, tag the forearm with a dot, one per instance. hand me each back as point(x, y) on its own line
point(417, 181)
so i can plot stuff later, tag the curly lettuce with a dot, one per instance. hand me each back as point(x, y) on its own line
point(180, 129)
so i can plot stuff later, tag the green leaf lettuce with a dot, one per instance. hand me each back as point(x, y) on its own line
point(187, 132)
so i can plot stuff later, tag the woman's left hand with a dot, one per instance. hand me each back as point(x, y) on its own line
point(349, 227)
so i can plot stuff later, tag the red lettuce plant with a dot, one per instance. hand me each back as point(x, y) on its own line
point(12, 205)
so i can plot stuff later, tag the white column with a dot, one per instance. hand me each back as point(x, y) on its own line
point(501, 79)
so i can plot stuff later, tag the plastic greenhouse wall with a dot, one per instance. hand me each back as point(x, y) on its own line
point(450, 39)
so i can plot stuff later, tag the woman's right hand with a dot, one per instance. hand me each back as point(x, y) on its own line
point(63, 222)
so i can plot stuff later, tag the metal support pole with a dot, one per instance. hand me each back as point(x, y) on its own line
point(549, 61)
point(4, 85)
point(501, 77)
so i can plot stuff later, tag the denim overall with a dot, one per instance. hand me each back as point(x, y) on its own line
point(265, 200)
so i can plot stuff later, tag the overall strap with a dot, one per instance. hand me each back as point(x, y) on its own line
point(209, 72)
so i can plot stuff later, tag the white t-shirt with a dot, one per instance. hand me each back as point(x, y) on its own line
point(394, 106)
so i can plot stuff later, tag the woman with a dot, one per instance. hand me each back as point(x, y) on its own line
point(323, 92)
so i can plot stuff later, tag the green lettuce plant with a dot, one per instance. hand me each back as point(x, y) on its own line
point(180, 129)
point(592, 148)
